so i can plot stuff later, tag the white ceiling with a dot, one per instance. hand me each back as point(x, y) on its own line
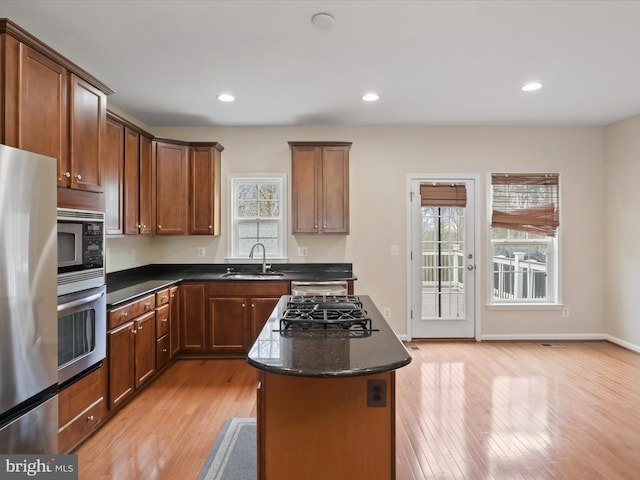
point(431, 62)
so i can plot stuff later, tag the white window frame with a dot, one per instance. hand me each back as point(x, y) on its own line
point(234, 253)
point(553, 300)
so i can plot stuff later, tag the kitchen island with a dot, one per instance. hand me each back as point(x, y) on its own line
point(326, 397)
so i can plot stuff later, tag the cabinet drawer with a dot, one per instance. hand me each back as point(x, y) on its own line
point(128, 312)
point(74, 399)
point(162, 297)
point(78, 428)
point(162, 321)
point(163, 355)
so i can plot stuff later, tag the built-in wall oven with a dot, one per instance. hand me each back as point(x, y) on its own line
point(82, 332)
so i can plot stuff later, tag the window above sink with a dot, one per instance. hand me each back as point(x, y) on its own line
point(257, 214)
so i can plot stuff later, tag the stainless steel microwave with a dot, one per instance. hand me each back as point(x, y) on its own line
point(81, 243)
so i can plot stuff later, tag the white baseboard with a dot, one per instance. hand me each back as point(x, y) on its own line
point(555, 337)
point(622, 343)
point(546, 336)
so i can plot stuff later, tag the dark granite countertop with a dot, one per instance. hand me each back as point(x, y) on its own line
point(328, 353)
point(127, 285)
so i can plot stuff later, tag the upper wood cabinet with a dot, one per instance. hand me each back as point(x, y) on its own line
point(87, 129)
point(113, 169)
point(186, 187)
point(204, 190)
point(51, 106)
point(127, 178)
point(171, 188)
point(320, 187)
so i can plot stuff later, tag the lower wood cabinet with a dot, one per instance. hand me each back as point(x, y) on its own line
point(174, 323)
point(131, 343)
point(82, 407)
point(224, 318)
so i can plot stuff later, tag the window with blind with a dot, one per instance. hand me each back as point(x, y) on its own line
point(524, 236)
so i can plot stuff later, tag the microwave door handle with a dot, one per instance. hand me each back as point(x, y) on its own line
point(79, 302)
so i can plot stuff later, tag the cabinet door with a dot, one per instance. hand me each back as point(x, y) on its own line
point(114, 161)
point(42, 112)
point(87, 132)
point(145, 218)
point(145, 350)
point(121, 364)
point(172, 183)
point(335, 190)
point(227, 325)
point(204, 205)
point(305, 172)
point(261, 309)
point(174, 321)
point(192, 336)
point(131, 181)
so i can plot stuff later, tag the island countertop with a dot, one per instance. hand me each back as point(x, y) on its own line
point(328, 353)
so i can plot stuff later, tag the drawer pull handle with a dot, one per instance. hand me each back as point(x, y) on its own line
point(165, 320)
point(90, 418)
point(140, 327)
point(164, 350)
point(124, 314)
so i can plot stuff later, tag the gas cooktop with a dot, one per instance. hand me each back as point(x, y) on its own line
point(333, 312)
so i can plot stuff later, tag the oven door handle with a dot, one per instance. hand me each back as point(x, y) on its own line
point(79, 302)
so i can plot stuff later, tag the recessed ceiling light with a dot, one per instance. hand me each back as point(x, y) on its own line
point(226, 97)
point(323, 21)
point(370, 97)
point(531, 87)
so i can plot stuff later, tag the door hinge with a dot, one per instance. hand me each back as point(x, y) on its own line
point(411, 196)
point(411, 314)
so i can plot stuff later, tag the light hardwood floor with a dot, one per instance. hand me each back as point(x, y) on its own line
point(490, 410)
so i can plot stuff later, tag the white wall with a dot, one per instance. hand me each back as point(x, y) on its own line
point(381, 158)
point(622, 227)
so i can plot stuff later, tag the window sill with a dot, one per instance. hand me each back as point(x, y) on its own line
point(524, 306)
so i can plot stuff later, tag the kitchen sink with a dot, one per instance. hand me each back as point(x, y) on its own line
point(252, 275)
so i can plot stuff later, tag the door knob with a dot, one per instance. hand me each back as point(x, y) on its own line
point(470, 267)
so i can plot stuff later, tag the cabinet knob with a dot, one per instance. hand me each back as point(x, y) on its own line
point(315, 226)
point(324, 226)
point(253, 305)
point(165, 320)
point(140, 327)
point(159, 226)
point(67, 174)
point(90, 418)
point(134, 331)
point(139, 226)
point(164, 350)
point(78, 176)
point(210, 227)
point(243, 305)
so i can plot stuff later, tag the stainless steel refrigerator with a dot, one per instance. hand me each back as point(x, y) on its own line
point(28, 303)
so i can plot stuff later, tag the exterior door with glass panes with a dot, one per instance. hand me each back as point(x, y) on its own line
point(443, 264)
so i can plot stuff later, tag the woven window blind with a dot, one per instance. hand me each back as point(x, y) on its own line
point(443, 195)
point(526, 202)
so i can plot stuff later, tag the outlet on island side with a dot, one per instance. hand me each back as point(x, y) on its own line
point(201, 251)
point(376, 393)
point(302, 251)
point(386, 312)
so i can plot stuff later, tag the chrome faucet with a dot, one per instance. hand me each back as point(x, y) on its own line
point(264, 255)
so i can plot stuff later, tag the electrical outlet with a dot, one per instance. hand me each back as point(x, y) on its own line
point(565, 312)
point(133, 254)
point(387, 312)
point(394, 249)
point(201, 251)
point(376, 393)
point(302, 251)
